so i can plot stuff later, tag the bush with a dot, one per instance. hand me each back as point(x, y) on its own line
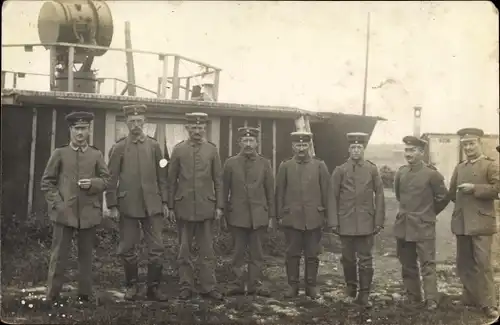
point(387, 174)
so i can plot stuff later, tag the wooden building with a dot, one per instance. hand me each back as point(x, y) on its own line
point(33, 125)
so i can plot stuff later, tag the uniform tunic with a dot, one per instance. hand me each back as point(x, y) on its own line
point(474, 222)
point(72, 208)
point(248, 184)
point(422, 195)
point(194, 192)
point(138, 189)
point(356, 199)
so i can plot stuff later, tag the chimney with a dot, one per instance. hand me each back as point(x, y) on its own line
point(417, 111)
point(196, 93)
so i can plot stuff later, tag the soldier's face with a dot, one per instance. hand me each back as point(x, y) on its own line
point(196, 131)
point(413, 154)
point(301, 149)
point(79, 133)
point(472, 147)
point(135, 123)
point(248, 145)
point(356, 151)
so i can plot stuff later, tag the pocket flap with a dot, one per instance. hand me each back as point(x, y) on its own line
point(321, 209)
point(96, 204)
point(122, 194)
point(178, 198)
point(211, 198)
point(486, 212)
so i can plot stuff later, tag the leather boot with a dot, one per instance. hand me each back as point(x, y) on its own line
point(292, 272)
point(131, 280)
point(311, 275)
point(154, 280)
point(351, 280)
point(365, 281)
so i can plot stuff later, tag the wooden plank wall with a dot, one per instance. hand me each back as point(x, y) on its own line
point(15, 160)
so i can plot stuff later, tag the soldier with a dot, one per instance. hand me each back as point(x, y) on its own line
point(195, 200)
point(422, 195)
point(248, 184)
point(138, 196)
point(356, 212)
point(301, 198)
point(74, 178)
point(474, 186)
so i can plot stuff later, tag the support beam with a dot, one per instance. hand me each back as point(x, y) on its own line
point(260, 135)
point(31, 181)
point(52, 73)
point(53, 131)
point(71, 62)
point(274, 148)
point(130, 61)
point(188, 89)
point(230, 141)
point(163, 87)
point(175, 78)
point(216, 85)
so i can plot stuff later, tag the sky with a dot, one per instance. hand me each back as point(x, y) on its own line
point(442, 56)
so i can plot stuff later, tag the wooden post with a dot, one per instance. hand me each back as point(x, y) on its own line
point(216, 85)
point(129, 56)
point(53, 131)
point(31, 181)
point(188, 88)
point(274, 148)
point(260, 135)
point(115, 86)
point(52, 73)
point(230, 141)
point(3, 79)
point(163, 89)
point(366, 63)
point(71, 61)
point(175, 78)
point(14, 81)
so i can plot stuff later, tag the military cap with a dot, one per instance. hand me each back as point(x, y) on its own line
point(137, 109)
point(79, 118)
point(196, 118)
point(414, 141)
point(470, 133)
point(248, 132)
point(357, 138)
point(301, 136)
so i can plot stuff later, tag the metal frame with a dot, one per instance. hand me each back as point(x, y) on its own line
point(165, 79)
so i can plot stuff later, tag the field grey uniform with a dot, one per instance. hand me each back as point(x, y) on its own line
point(422, 195)
point(72, 209)
point(474, 224)
point(357, 208)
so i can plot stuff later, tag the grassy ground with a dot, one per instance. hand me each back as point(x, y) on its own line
point(24, 267)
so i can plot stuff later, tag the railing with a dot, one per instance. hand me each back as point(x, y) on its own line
point(164, 79)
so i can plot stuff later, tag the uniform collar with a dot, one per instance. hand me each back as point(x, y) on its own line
point(473, 161)
point(249, 157)
point(302, 161)
point(360, 162)
point(82, 148)
point(141, 138)
point(196, 143)
point(416, 166)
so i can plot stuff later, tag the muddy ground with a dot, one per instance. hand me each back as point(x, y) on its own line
point(24, 269)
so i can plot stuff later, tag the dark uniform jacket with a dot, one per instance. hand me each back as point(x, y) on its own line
point(68, 204)
point(474, 214)
point(422, 195)
point(356, 198)
point(194, 180)
point(138, 184)
point(248, 184)
point(301, 193)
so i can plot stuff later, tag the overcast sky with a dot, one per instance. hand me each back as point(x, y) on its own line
point(442, 56)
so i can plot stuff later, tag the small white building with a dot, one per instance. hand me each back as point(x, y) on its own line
point(444, 151)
